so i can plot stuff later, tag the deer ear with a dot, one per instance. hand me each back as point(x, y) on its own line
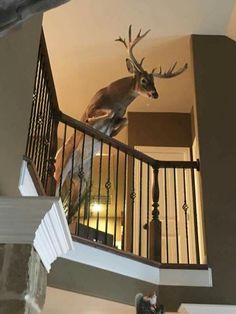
point(130, 66)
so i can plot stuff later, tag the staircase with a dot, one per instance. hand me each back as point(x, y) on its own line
point(134, 219)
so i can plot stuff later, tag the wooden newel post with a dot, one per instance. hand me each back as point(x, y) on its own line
point(155, 224)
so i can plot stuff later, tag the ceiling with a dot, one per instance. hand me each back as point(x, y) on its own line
point(84, 56)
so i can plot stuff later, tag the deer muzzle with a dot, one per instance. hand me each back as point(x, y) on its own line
point(154, 94)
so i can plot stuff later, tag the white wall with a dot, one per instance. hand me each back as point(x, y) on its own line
point(206, 309)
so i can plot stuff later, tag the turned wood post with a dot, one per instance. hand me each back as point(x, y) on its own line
point(155, 224)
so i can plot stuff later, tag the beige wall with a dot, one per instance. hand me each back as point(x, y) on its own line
point(18, 55)
point(215, 78)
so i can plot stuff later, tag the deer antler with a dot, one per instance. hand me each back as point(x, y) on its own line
point(170, 72)
point(131, 44)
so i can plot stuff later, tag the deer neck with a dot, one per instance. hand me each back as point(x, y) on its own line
point(124, 90)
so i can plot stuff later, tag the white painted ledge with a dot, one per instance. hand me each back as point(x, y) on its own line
point(36, 220)
point(206, 309)
point(127, 267)
point(186, 277)
point(26, 184)
point(52, 237)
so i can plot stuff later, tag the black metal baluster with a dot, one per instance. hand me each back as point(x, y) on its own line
point(39, 119)
point(116, 196)
point(99, 188)
point(166, 214)
point(35, 122)
point(51, 183)
point(90, 185)
point(148, 207)
point(140, 207)
point(176, 216)
point(195, 217)
point(44, 141)
point(81, 178)
point(40, 128)
point(50, 137)
point(35, 102)
point(124, 204)
point(48, 147)
point(185, 208)
point(30, 128)
point(63, 155)
point(108, 187)
point(132, 196)
point(70, 214)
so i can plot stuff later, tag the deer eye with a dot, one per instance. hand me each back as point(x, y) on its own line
point(143, 82)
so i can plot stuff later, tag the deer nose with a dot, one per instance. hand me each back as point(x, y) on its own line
point(154, 94)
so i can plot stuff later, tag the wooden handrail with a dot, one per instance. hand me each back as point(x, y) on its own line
point(49, 77)
point(88, 130)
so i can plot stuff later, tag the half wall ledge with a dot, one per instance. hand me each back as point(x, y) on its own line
point(35, 220)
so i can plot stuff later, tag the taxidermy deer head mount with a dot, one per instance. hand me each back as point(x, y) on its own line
point(144, 81)
point(107, 108)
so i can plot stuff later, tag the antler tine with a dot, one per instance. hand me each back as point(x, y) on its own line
point(131, 44)
point(141, 62)
point(171, 69)
point(122, 41)
point(170, 72)
point(130, 33)
point(138, 38)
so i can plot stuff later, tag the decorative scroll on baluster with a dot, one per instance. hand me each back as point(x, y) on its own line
point(155, 224)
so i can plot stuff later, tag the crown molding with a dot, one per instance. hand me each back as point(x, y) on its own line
point(39, 221)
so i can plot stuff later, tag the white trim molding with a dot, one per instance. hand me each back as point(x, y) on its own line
point(134, 269)
point(206, 309)
point(39, 221)
point(26, 184)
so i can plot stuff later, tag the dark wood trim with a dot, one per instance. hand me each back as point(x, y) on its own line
point(178, 164)
point(185, 266)
point(34, 175)
point(84, 128)
point(88, 130)
point(49, 75)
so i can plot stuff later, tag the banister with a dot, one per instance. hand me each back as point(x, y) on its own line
point(178, 164)
point(48, 74)
point(130, 222)
point(84, 128)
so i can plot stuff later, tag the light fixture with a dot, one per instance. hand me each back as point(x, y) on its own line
point(96, 208)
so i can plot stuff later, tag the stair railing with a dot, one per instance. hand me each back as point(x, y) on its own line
point(113, 194)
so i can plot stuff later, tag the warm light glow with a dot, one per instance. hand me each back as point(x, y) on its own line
point(96, 208)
